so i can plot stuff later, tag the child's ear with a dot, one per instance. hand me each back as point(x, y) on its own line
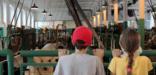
point(116, 53)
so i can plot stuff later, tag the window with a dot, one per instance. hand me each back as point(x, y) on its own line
point(32, 21)
point(12, 13)
point(40, 24)
point(1, 10)
point(29, 21)
point(4, 13)
point(149, 21)
point(24, 17)
point(19, 21)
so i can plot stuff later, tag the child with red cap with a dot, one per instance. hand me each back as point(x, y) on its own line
point(80, 63)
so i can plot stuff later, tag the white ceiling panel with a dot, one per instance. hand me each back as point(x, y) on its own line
point(60, 11)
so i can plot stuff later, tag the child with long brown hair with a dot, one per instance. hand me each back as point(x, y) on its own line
point(130, 63)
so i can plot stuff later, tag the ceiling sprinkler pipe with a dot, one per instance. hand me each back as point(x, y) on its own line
point(15, 12)
point(19, 13)
point(89, 24)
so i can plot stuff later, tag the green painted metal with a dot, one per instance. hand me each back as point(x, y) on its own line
point(55, 53)
point(1, 31)
point(30, 54)
point(54, 64)
point(35, 65)
point(141, 31)
point(1, 68)
point(7, 41)
point(39, 64)
point(33, 53)
point(7, 53)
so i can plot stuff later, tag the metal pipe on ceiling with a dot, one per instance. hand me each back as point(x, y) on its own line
point(76, 13)
point(19, 13)
point(88, 23)
point(73, 12)
point(70, 11)
point(15, 12)
point(29, 12)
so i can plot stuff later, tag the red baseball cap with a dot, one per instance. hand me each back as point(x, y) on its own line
point(82, 33)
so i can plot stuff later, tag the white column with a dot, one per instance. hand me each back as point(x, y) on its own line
point(1, 10)
point(8, 11)
point(105, 17)
point(27, 17)
point(31, 20)
point(21, 17)
point(34, 21)
point(24, 17)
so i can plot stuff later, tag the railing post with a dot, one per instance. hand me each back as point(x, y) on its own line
point(10, 60)
point(1, 68)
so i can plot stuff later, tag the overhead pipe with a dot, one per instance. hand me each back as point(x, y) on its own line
point(19, 13)
point(88, 23)
point(29, 12)
point(89, 10)
point(10, 60)
point(76, 13)
point(73, 12)
point(10, 25)
point(15, 12)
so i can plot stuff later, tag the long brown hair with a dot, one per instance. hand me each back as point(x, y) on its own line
point(130, 42)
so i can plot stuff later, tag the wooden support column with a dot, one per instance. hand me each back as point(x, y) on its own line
point(141, 9)
point(141, 20)
point(98, 19)
point(116, 14)
point(94, 21)
point(105, 17)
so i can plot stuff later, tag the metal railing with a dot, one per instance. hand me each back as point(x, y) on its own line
point(9, 55)
point(30, 54)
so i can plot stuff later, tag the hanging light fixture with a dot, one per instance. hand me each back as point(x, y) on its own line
point(34, 6)
point(50, 14)
point(44, 11)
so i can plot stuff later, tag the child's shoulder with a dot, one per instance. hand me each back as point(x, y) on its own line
point(65, 57)
point(115, 59)
point(143, 58)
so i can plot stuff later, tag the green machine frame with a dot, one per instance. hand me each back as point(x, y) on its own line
point(9, 55)
point(30, 54)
